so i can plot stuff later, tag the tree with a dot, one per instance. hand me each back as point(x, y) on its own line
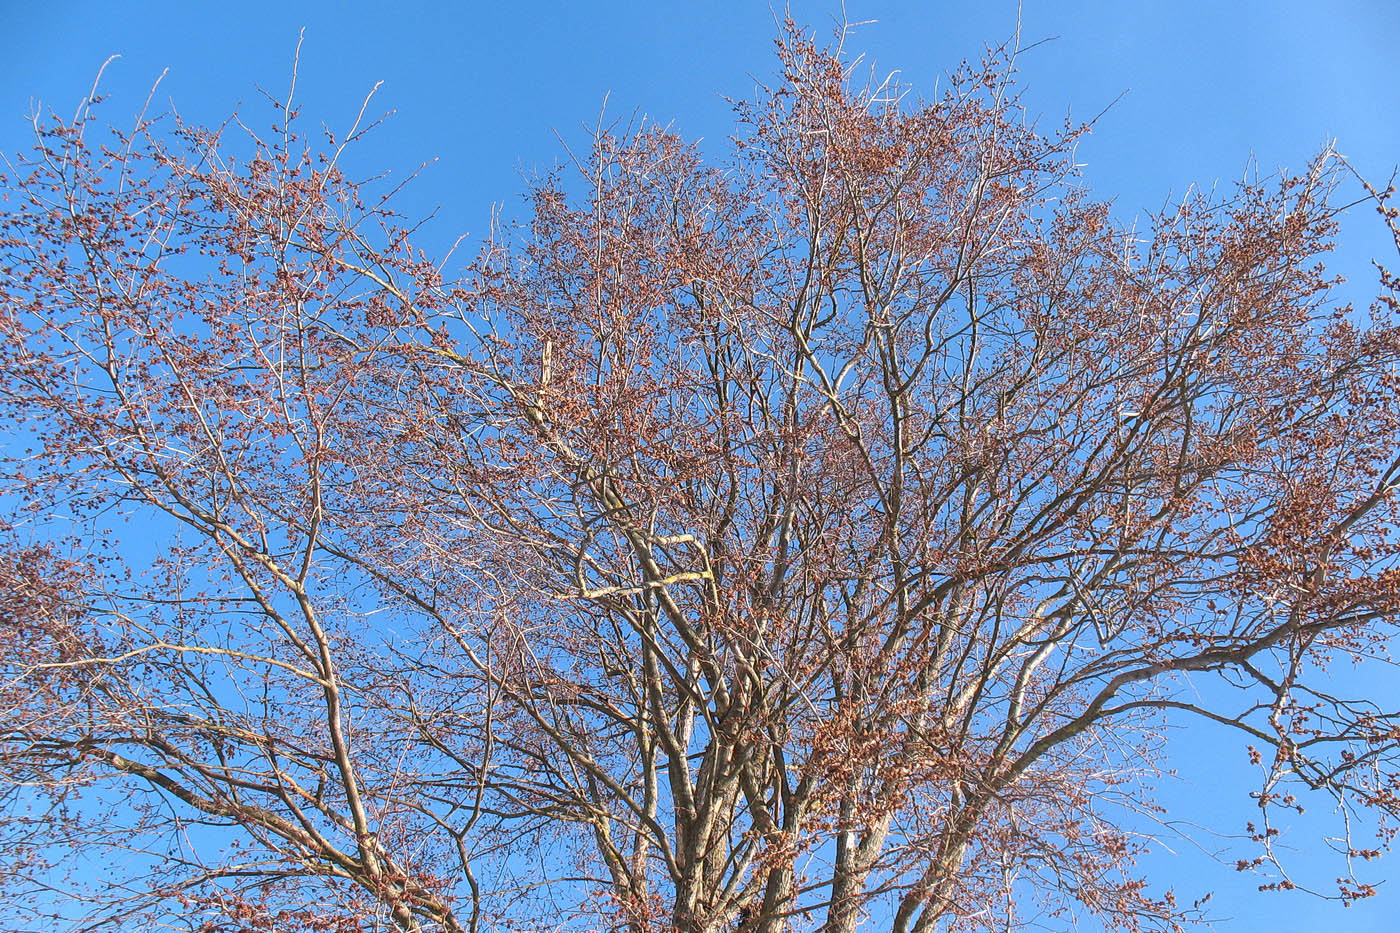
point(814, 540)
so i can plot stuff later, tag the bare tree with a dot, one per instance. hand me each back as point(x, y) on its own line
point(817, 538)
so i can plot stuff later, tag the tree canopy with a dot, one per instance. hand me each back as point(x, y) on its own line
point(813, 535)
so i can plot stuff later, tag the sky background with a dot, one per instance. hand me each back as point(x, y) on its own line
point(483, 88)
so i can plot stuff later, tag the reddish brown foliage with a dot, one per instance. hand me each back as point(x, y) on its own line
point(817, 537)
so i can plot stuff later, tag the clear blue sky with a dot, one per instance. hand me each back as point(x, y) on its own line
point(482, 87)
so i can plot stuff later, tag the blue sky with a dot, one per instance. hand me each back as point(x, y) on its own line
point(482, 89)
